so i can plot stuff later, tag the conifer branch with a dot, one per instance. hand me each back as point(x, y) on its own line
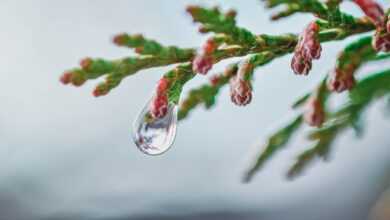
point(276, 142)
point(358, 52)
point(366, 91)
point(228, 40)
point(154, 54)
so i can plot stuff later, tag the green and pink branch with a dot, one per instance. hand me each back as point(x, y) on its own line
point(228, 40)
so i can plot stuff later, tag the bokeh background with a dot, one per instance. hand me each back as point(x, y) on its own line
point(67, 155)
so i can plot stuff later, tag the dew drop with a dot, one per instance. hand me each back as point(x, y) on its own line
point(155, 136)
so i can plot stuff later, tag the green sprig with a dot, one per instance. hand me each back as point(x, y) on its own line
point(213, 20)
point(274, 143)
point(366, 91)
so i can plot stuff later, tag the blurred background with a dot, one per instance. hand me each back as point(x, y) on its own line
point(67, 155)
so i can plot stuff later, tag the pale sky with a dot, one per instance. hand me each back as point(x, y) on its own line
point(67, 154)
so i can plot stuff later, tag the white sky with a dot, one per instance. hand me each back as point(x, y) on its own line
point(64, 152)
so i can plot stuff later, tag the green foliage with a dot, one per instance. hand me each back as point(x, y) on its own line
point(213, 20)
point(232, 41)
point(367, 90)
point(274, 143)
point(178, 78)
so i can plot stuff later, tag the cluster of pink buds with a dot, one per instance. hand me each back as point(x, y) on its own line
point(314, 114)
point(159, 104)
point(307, 49)
point(240, 88)
point(74, 77)
point(341, 79)
point(203, 60)
point(381, 40)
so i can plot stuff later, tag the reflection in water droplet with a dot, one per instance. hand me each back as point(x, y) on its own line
point(155, 136)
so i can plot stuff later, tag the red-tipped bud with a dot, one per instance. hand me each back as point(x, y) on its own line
point(119, 39)
point(76, 78)
point(66, 78)
point(85, 63)
point(159, 106)
point(300, 65)
point(307, 49)
point(240, 91)
point(314, 114)
point(100, 90)
point(192, 9)
point(381, 41)
point(340, 80)
point(231, 13)
point(373, 10)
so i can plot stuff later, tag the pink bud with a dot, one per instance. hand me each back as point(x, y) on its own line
point(100, 90)
point(159, 106)
point(307, 49)
point(240, 91)
point(66, 78)
point(314, 113)
point(310, 45)
point(312, 49)
point(341, 80)
point(300, 65)
point(373, 10)
point(202, 63)
point(85, 63)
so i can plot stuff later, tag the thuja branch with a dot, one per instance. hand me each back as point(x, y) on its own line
point(153, 54)
point(366, 91)
point(273, 144)
point(229, 40)
point(207, 93)
point(342, 78)
point(281, 45)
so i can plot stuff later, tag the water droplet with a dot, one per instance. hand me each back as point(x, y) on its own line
point(155, 136)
